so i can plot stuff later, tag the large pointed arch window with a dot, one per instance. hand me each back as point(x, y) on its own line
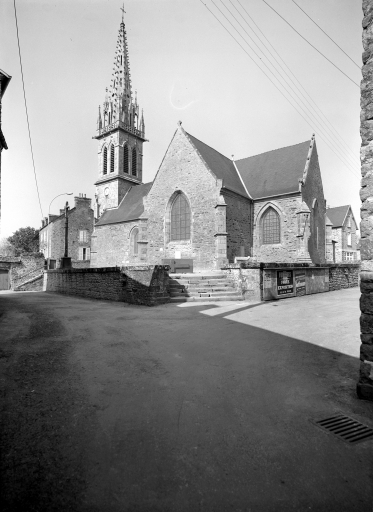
point(112, 158)
point(125, 159)
point(180, 218)
point(134, 162)
point(271, 227)
point(104, 161)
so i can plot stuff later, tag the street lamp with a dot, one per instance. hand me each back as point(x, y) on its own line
point(63, 194)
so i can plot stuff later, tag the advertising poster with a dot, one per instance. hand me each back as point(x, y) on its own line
point(300, 282)
point(285, 283)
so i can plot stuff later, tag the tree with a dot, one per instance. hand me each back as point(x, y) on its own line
point(25, 240)
point(6, 249)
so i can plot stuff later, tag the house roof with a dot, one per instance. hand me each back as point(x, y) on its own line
point(338, 214)
point(130, 208)
point(274, 172)
point(220, 165)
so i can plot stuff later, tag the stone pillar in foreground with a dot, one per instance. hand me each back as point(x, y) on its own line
point(365, 384)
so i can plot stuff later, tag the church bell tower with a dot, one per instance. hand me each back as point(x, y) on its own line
point(120, 134)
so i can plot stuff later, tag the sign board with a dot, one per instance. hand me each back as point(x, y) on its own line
point(285, 283)
point(300, 282)
point(267, 279)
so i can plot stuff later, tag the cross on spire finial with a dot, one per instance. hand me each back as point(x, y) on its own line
point(123, 11)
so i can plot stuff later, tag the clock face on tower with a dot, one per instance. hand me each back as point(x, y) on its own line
point(106, 191)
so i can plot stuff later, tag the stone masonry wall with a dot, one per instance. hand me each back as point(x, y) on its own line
point(147, 285)
point(286, 251)
point(182, 170)
point(311, 190)
point(239, 225)
point(343, 276)
point(365, 384)
point(29, 267)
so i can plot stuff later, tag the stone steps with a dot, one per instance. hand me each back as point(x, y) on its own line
point(207, 286)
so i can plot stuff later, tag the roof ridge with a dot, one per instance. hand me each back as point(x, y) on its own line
point(201, 141)
point(272, 150)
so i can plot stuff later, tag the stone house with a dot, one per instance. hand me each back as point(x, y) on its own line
point(341, 223)
point(203, 209)
point(80, 227)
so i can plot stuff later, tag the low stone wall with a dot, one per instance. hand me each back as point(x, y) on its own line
point(145, 285)
point(344, 275)
point(33, 285)
point(248, 276)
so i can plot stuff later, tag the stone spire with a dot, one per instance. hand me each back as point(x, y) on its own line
point(119, 104)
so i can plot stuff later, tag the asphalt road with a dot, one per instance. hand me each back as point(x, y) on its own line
point(109, 407)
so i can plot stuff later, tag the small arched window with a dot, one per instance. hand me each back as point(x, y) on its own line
point(134, 162)
point(135, 241)
point(104, 161)
point(125, 159)
point(271, 227)
point(112, 158)
point(180, 219)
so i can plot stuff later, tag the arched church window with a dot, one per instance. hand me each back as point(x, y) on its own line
point(180, 219)
point(271, 227)
point(104, 161)
point(134, 162)
point(135, 241)
point(112, 156)
point(125, 159)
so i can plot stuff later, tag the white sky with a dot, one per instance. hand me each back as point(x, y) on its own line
point(185, 67)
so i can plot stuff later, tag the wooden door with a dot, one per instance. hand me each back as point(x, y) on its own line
point(4, 279)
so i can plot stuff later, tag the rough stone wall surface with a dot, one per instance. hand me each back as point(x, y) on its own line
point(34, 285)
point(246, 280)
point(28, 268)
point(365, 384)
point(111, 245)
point(52, 236)
point(337, 236)
point(147, 285)
point(343, 276)
point(311, 190)
point(238, 225)
point(286, 251)
point(183, 170)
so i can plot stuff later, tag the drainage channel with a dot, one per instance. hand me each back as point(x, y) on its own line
point(346, 428)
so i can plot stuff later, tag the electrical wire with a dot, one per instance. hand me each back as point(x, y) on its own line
point(305, 91)
point(273, 83)
point(314, 47)
point(329, 132)
point(24, 95)
point(327, 35)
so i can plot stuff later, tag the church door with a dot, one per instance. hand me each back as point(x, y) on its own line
point(4, 280)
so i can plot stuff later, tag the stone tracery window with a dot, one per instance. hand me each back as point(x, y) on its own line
point(271, 227)
point(180, 219)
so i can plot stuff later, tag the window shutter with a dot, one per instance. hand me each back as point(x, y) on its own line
point(80, 253)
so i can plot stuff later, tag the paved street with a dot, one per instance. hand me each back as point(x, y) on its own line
point(197, 407)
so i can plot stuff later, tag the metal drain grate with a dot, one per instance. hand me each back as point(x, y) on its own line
point(346, 428)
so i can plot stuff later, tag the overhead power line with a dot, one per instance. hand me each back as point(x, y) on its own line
point(24, 95)
point(314, 47)
point(270, 79)
point(339, 136)
point(293, 99)
point(327, 35)
point(329, 132)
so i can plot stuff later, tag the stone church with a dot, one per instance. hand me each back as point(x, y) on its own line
point(203, 209)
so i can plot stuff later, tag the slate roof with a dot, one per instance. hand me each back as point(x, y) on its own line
point(130, 208)
point(275, 172)
point(220, 165)
point(337, 215)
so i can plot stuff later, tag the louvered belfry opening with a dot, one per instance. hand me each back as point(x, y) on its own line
point(112, 158)
point(271, 227)
point(180, 219)
point(104, 164)
point(125, 159)
point(134, 162)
